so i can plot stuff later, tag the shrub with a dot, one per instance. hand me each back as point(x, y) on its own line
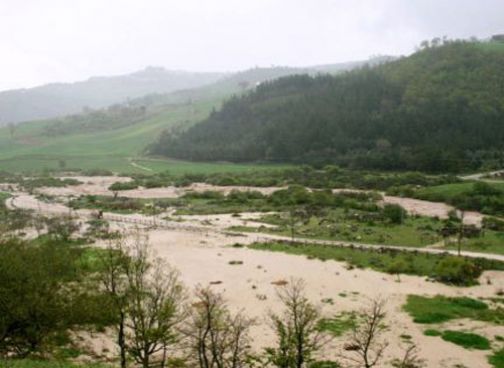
point(398, 265)
point(123, 186)
point(97, 172)
point(485, 189)
point(207, 194)
point(457, 271)
point(492, 223)
point(394, 213)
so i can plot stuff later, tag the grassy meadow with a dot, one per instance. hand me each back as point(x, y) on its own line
point(119, 150)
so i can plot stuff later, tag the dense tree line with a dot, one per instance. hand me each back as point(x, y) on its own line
point(439, 110)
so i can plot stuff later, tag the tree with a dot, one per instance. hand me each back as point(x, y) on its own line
point(147, 297)
point(34, 302)
point(113, 278)
point(410, 358)
point(216, 338)
point(398, 266)
point(61, 227)
point(155, 297)
point(366, 343)
point(298, 336)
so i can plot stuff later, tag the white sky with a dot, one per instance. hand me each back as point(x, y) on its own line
point(45, 41)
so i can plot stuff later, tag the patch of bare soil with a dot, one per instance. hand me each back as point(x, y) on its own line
point(91, 185)
point(432, 209)
point(203, 259)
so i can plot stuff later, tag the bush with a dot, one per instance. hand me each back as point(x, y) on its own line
point(242, 197)
point(485, 189)
point(123, 186)
point(398, 265)
point(457, 271)
point(97, 172)
point(207, 194)
point(492, 223)
point(394, 213)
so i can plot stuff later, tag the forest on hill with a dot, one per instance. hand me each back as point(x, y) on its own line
point(439, 110)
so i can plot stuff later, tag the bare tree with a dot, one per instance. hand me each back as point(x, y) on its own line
point(216, 339)
point(366, 341)
point(154, 309)
point(298, 337)
point(410, 358)
point(113, 278)
point(147, 297)
point(61, 227)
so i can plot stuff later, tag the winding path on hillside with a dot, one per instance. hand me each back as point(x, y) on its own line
point(138, 166)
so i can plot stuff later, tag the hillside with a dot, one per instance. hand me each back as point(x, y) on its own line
point(153, 85)
point(440, 109)
point(111, 137)
point(59, 99)
point(242, 81)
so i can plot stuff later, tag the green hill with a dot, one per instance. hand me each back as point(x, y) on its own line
point(440, 109)
point(116, 137)
point(59, 99)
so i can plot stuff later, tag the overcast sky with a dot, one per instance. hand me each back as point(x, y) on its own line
point(67, 40)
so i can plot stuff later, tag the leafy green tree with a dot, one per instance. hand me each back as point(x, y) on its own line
point(34, 303)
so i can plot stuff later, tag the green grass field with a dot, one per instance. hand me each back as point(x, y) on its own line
point(466, 339)
point(447, 192)
point(118, 150)
point(384, 260)
point(491, 242)
point(414, 232)
point(439, 309)
point(112, 149)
